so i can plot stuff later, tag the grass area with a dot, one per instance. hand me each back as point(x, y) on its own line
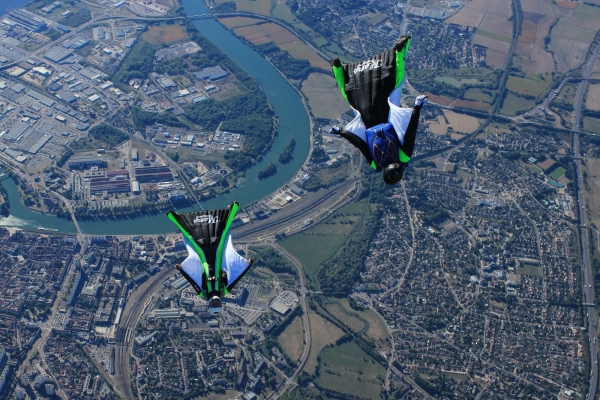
point(327, 334)
point(375, 18)
point(457, 82)
point(497, 304)
point(592, 190)
point(573, 32)
point(165, 34)
point(299, 50)
point(557, 173)
point(512, 104)
point(532, 84)
point(324, 97)
point(325, 239)
point(291, 339)
point(494, 36)
point(333, 173)
point(591, 124)
point(256, 273)
point(588, 13)
point(478, 95)
point(348, 369)
point(262, 7)
point(338, 311)
point(531, 270)
point(461, 122)
point(365, 321)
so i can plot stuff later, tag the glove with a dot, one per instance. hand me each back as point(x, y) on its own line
point(421, 100)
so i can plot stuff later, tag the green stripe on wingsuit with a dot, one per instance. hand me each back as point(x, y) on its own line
point(400, 55)
point(373, 165)
point(402, 156)
point(192, 241)
point(338, 73)
point(234, 208)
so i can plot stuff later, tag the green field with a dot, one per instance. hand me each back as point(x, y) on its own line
point(282, 11)
point(532, 84)
point(348, 369)
point(588, 13)
point(291, 339)
point(591, 124)
point(320, 243)
point(557, 173)
point(478, 95)
point(457, 82)
point(494, 36)
point(531, 270)
point(365, 322)
point(376, 18)
point(573, 32)
point(512, 104)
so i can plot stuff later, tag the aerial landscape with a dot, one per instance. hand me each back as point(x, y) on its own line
point(475, 277)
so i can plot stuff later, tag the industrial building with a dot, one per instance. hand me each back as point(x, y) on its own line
point(100, 185)
point(135, 187)
point(57, 54)
point(279, 307)
point(83, 162)
point(75, 43)
point(153, 174)
point(212, 73)
point(27, 20)
point(167, 313)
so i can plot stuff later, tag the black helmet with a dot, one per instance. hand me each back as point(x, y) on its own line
point(393, 173)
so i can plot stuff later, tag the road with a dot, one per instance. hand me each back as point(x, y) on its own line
point(586, 272)
point(305, 310)
point(136, 304)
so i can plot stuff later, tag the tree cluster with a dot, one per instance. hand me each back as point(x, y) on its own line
point(269, 170)
point(108, 134)
point(137, 64)
point(286, 156)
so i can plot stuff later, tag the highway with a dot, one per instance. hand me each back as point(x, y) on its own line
point(291, 213)
point(587, 273)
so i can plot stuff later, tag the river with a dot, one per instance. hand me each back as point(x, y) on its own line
point(293, 122)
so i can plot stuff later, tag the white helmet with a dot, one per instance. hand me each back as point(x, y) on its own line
point(214, 305)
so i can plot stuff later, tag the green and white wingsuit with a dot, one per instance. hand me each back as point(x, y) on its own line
point(213, 266)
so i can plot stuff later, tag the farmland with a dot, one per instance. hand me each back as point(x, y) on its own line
point(461, 122)
point(328, 334)
point(262, 7)
point(513, 104)
point(591, 124)
point(532, 84)
point(336, 230)
point(348, 369)
point(592, 169)
point(166, 34)
point(324, 96)
point(587, 12)
point(593, 98)
point(291, 339)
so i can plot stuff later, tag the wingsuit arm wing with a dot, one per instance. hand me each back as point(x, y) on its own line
point(233, 264)
point(191, 267)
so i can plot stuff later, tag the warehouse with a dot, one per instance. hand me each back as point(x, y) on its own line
point(83, 162)
point(153, 174)
point(57, 54)
point(99, 185)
